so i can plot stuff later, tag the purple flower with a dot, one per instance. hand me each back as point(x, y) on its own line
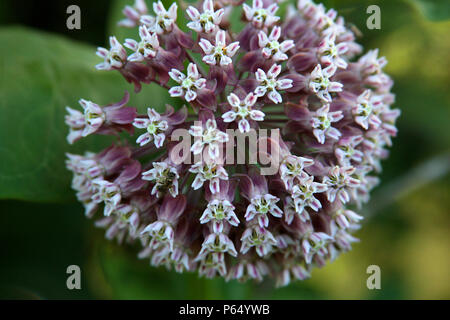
point(133, 14)
point(208, 136)
point(261, 239)
point(303, 196)
point(320, 83)
point(259, 16)
point(210, 172)
point(315, 244)
point(114, 58)
point(331, 53)
point(164, 175)
point(164, 20)
point(339, 181)
point(96, 119)
point(107, 192)
point(161, 232)
point(321, 122)
point(186, 188)
point(292, 170)
point(155, 127)
point(246, 270)
point(365, 110)
point(146, 48)
point(271, 48)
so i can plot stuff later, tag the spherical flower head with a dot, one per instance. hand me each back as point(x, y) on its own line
point(271, 48)
point(146, 48)
point(188, 84)
point(220, 53)
point(155, 127)
point(259, 16)
point(114, 58)
point(242, 111)
point(268, 84)
point(208, 21)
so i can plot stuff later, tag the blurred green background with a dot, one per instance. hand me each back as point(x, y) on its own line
point(44, 67)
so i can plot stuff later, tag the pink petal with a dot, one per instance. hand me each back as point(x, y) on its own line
point(275, 97)
point(205, 45)
point(192, 13)
point(275, 34)
point(192, 71)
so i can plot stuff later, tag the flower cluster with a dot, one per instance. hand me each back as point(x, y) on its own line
point(299, 73)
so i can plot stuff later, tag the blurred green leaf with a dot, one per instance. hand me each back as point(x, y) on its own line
point(435, 10)
point(40, 75)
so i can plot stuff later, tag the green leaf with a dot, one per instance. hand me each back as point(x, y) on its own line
point(40, 75)
point(435, 10)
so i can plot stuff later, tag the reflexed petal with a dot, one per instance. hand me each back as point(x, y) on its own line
point(229, 116)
